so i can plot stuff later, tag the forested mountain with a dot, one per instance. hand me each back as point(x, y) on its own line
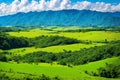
point(62, 18)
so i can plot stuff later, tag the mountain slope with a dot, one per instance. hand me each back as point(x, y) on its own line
point(62, 18)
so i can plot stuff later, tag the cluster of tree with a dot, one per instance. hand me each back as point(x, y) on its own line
point(3, 57)
point(76, 58)
point(45, 41)
point(10, 29)
point(85, 30)
point(110, 71)
point(114, 28)
point(93, 54)
point(9, 42)
point(35, 57)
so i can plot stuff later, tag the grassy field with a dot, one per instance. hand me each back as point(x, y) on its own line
point(91, 35)
point(14, 69)
point(53, 49)
point(66, 73)
point(31, 33)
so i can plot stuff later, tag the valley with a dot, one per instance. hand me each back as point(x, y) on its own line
point(59, 39)
point(59, 54)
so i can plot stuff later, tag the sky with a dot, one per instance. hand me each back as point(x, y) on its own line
point(8, 7)
point(73, 1)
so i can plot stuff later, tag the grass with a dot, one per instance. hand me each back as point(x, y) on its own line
point(66, 73)
point(31, 33)
point(93, 66)
point(64, 28)
point(53, 49)
point(91, 35)
point(1, 50)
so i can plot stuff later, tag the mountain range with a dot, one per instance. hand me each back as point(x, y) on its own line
point(62, 18)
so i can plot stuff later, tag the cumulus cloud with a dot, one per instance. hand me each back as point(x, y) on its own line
point(43, 5)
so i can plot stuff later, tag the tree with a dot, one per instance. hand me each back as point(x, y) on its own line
point(3, 57)
point(5, 45)
point(43, 77)
point(110, 71)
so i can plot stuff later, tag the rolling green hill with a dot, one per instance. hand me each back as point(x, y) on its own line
point(51, 70)
point(53, 49)
point(88, 51)
point(92, 35)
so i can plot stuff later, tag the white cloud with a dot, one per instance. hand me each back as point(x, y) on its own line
point(65, 4)
point(43, 5)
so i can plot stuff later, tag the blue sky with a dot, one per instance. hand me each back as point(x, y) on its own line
point(24, 6)
point(73, 1)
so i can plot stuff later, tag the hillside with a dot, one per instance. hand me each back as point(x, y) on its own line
point(56, 54)
point(20, 71)
point(62, 18)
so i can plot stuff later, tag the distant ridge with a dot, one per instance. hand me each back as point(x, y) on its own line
point(62, 18)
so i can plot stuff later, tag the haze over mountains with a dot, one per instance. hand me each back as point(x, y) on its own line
point(62, 18)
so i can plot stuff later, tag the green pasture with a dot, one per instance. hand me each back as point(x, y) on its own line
point(1, 50)
point(90, 35)
point(93, 35)
point(30, 33)
point(93, 66)
point(14, 69)
point(53, 49)
point(51, 70)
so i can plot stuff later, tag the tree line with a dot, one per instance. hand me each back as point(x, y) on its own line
point(45, 41)
point(67, 57)
point(10, 42)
